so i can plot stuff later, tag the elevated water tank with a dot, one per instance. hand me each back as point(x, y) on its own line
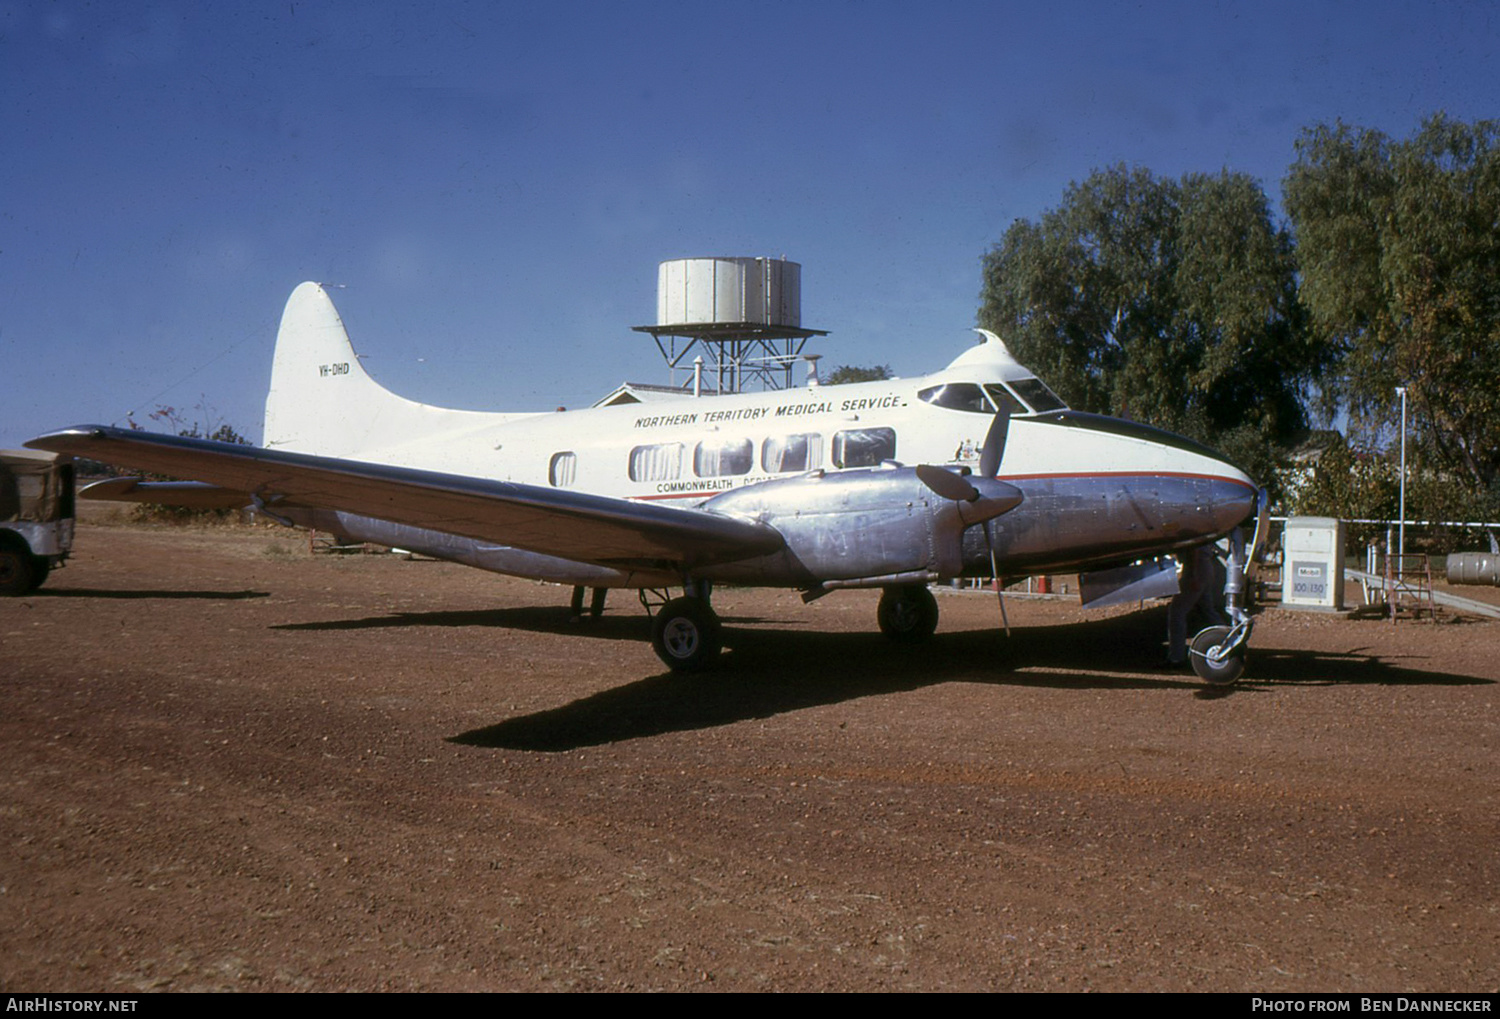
point(729, 292)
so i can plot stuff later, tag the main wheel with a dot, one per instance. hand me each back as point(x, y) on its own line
point(18, 572)
point(908, 614)
point(685, 634)
point(1225, 670)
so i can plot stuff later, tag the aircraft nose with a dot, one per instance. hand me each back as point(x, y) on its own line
point(1232, 498)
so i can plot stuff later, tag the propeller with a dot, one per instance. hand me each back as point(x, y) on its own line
point(946, 483)
point(955, 486)
point(951, 485)
point(989, 466)
point(994, 445)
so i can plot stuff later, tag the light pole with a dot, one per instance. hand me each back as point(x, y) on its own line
point(1401, 541)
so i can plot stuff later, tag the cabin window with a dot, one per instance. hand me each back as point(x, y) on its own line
point(863, 447)
point(792, 453)
point(659, 462)
point(563, 470)
point(1006, 400)
point(723, 458)
point(964, 396)
point(1036, 393)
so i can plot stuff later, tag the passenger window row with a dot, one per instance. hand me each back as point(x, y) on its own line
point(724, 458)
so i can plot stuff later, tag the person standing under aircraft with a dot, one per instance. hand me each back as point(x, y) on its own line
point(1195, 588)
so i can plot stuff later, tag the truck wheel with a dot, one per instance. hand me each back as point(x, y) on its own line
point(17, 571)
point(41, 567)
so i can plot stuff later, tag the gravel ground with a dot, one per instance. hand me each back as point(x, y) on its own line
point(232, 765)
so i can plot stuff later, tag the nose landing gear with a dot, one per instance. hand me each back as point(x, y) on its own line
point(1218, 652)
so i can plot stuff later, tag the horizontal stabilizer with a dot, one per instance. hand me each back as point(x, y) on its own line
point(565, 524)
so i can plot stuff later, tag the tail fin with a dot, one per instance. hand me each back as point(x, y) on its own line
point(322, 401)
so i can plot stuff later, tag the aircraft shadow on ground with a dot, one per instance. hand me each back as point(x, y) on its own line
point(533, 619)
point(764, 673)
point(87, 592)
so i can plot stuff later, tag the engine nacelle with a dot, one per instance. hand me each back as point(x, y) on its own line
point(860, 527)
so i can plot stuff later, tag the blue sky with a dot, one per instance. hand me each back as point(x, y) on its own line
point(493, 184)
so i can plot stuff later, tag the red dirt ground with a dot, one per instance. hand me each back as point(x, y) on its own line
point(232, 765)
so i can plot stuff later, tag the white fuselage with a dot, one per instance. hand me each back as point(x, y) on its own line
point(1097, 490)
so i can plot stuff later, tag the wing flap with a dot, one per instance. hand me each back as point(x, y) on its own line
point(572, 525)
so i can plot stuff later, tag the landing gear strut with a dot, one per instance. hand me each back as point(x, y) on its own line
point(1218, 652)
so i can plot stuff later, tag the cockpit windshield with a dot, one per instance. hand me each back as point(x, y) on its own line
point(1019, 397)
point(958, 396)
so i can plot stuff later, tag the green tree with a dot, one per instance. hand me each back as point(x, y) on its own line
point(1171, 302)
point(854, 373)
point(1399, 244)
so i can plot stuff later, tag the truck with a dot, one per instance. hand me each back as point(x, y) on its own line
point(36, 518)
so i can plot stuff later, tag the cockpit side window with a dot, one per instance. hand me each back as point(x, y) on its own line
point(964, 396)
point(1006, 400)
point(1035, 392)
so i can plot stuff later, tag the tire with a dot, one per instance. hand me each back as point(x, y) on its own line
point(908, 614)
point(685, 635)
point(41, 567)
point(1223, 672)
point(18, 571)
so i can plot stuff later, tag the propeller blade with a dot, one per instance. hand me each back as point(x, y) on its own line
point(946, 483)
point(995, 574)
point(994, 445)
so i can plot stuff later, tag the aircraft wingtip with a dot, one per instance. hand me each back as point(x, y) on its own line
point(53, 441)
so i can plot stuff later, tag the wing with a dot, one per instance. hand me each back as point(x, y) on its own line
point(572, 525)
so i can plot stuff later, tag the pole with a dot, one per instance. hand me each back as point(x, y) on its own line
point(1401, 546)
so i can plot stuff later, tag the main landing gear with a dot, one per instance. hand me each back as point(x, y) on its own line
point(907, 614)
point(685, 632)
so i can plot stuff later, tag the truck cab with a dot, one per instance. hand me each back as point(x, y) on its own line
point(36, 517)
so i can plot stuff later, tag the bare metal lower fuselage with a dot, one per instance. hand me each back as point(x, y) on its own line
point(1063, 524)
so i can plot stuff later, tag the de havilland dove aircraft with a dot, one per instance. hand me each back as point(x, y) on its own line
point(801, 488)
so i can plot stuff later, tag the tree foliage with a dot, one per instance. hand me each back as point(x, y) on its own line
point(1172, 302)
point(206, 425)
point(1399, 244)
point(845, 373)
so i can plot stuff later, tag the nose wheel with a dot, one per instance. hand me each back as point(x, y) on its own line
point(1218, 655)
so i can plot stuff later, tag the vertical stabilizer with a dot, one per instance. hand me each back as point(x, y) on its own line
point(323, 402)
point(317, 383)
